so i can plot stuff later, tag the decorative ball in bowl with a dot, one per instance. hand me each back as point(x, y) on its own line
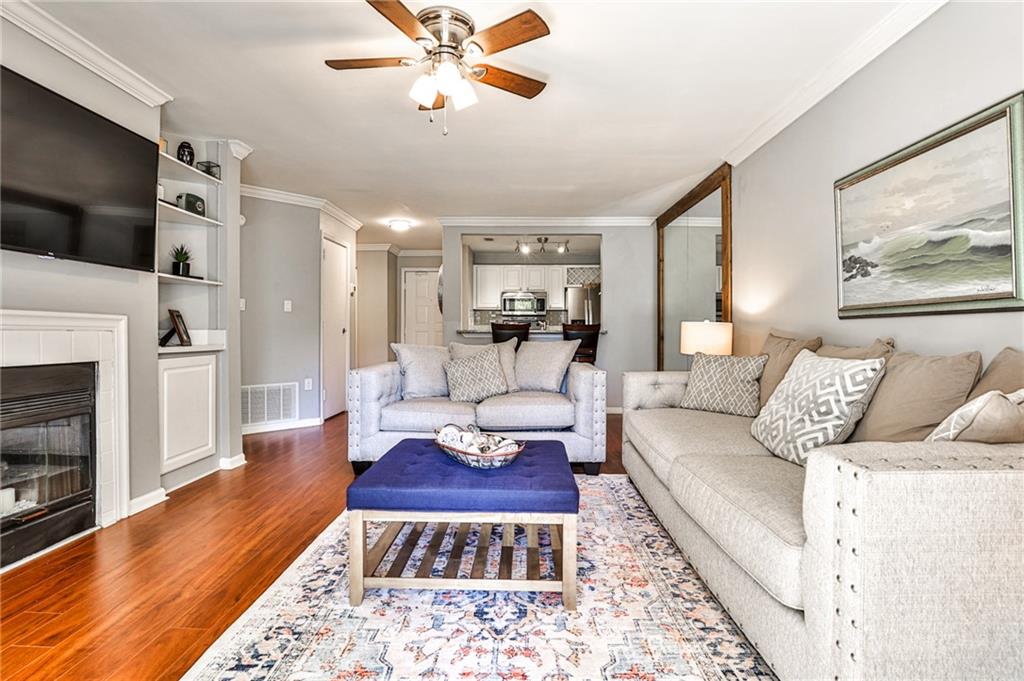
point(472, 448)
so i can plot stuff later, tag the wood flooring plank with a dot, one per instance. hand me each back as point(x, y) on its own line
point(430, 557)
point(451, 570)
point(482, 544)
point(380, 548)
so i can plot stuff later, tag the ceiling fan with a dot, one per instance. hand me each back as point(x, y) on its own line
point(452, 46)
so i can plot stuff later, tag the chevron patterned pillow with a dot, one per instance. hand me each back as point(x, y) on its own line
point(477, 377)
point(724, 384)
point(818, 403)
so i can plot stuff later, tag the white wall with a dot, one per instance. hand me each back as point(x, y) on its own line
point(628, 293)
point(29, 283)
point(964, 58)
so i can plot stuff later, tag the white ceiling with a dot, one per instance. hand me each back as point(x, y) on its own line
point(643, 99)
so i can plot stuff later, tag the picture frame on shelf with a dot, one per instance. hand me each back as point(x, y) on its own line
point(178, 328)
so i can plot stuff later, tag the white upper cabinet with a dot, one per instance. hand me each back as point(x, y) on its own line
point(535, 277)
point(555, 286)
point(512, 277)
point(487, 286)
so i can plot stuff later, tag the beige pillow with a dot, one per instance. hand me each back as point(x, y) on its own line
point(781, 349)
point(994, 418)
point(1005, 374)
point(916, 394)
point(881, 348)
point(506, 354)
point(541, 365)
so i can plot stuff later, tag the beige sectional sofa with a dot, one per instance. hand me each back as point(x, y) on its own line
point(876, 561)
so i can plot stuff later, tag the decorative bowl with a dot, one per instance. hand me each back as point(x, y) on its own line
point(504, 452)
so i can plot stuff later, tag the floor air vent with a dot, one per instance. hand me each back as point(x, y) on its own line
point(271, 403)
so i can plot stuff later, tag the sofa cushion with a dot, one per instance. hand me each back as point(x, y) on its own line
point(781, 348)
point(526, 410)
point(424, 414)
point(541, 365)
point(662, 435)
point(1005, 373)
point(881, 347)
point(994, 418)
point(422, 370)
point(752, 507)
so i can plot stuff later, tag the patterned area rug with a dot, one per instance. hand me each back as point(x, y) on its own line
point(643, 615)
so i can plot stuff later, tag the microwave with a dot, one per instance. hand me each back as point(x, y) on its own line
point(524, 303)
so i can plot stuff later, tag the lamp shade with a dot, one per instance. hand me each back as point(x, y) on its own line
point(710, 338)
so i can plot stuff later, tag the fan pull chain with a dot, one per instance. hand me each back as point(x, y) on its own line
point(444, 130)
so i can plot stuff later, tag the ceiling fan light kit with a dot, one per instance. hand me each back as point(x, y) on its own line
point(451, 42)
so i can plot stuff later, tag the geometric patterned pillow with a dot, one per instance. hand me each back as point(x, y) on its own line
point(477, 377)
point(724, 384)
point(818, 402)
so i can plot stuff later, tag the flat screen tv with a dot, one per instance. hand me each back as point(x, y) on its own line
point(73, 184)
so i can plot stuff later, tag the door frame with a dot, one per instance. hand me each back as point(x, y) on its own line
point(348, 346)
point(401, 297)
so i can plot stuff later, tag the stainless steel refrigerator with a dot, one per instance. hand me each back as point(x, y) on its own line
point(583, 304)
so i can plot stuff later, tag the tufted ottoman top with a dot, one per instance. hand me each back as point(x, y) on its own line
point(417, 476)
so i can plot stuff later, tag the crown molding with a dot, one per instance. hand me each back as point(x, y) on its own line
point(239, 149)
point(413, 253)
point(39, 24)
point(323, 205)
point(898, 23)
point(390, 248)
point(534, 222)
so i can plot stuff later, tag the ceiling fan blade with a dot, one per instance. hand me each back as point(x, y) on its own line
point(522, 28)
point(438, 104)
point(508, 81)
point(404, 20)
point(373, 63)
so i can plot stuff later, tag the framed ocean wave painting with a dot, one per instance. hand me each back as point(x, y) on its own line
point(937, 227)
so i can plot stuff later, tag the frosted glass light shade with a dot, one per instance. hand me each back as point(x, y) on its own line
point(448, 78)
point(424, 90)
point(464, 95)
point(710, 338)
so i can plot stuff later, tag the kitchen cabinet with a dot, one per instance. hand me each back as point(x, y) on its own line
point(512, 277)
point(488, 283)
point(555, 286)
point(535, 277)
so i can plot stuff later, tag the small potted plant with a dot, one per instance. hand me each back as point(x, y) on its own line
point(181, 260)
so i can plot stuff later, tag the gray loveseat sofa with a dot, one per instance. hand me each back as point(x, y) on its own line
point(379, 418)
point(876, 561)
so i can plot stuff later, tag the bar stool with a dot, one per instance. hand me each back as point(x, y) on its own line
point(501, 332)
point(588, 335)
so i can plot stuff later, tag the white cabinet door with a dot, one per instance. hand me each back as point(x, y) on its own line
point(512, 277)
point(555, 286)
point(188, 410)
point(535, 278)
point(487, 287)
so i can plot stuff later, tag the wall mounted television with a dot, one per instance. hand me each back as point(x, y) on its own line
point(73, 184)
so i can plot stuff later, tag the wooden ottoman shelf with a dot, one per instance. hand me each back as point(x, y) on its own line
point(416, 484)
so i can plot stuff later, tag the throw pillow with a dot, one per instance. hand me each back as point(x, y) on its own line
point(477, 377)
point(781, 349)
point(724, 384)
point(818, 403)
point(506, 353)
point(541, 365)
point(422, 369)
point(882, 347)
point(994, 418)
point(916, 394)
point(1005, 373)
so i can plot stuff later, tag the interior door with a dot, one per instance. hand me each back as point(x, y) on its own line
point(335, 296)
point(421, 318)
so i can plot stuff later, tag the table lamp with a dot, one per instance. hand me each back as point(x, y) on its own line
point(710, 338)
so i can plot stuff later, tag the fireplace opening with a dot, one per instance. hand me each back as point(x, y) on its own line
point(47, 456)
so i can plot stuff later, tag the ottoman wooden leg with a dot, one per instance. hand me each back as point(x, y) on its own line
point(356, 556)
point(569, 561)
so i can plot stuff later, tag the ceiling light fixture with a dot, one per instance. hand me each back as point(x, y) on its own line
point(524, 248)
point(561, 247)
point(399, 225)
point(424, 90)
point(464, 95)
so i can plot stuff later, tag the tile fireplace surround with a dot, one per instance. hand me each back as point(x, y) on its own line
point(30, 338)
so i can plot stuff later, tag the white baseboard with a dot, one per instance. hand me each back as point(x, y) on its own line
point(148, 500)
point(284, 425)
point(613, 410)
point(229, 462)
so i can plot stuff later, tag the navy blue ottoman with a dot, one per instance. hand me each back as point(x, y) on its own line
point(416, 483)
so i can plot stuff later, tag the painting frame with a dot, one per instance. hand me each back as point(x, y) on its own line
point(1010, 109)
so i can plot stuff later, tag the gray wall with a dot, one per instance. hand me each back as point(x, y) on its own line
point(964, 58)
point(377, 306)
point(28, 283)
point(628, 294)
point(280, 253)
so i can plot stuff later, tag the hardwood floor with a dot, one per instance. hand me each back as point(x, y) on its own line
point(144, 598)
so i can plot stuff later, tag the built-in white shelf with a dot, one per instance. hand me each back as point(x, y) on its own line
point(165, 278)
point(172, 213)
point(173, 169)
point(189, 349)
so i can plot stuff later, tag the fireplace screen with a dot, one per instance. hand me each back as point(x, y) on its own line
point(47, 456)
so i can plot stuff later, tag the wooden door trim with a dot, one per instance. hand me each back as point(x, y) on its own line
point(720, 178)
